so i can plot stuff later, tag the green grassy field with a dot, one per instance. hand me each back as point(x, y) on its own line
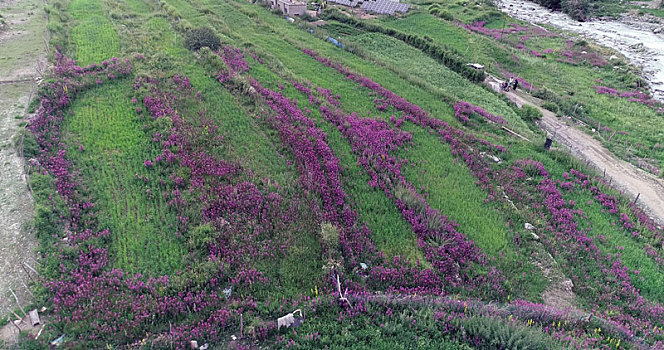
point(108, 146)
point(93, 35)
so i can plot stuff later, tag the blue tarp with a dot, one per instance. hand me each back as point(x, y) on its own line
point(335, 42)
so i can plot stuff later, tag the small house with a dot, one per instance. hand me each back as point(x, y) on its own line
point(291, 8)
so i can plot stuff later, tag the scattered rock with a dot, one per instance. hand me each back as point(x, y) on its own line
point(613, 57)
point(657, 30)
point(529, 226)
point(535, 236)
point(567, 285)
point(491, 156)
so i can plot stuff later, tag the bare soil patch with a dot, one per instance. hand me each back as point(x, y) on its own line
point(19, 55)
point(9, 332)
point(17, 243)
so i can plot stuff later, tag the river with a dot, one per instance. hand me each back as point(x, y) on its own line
point(631, 37)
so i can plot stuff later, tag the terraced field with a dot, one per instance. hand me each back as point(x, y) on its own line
point(380, 189)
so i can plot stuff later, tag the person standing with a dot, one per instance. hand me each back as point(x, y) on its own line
point(515, 84)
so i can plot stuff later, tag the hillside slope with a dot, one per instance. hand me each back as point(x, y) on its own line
point(252, 185)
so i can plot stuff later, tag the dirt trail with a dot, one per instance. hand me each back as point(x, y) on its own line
point(625, 176)
point(23, 56)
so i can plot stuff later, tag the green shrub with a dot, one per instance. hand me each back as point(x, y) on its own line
point(197, 275)
point(170, 10)
point(545, 94)
point(551, 107)
point(201, 236)
point(201, 37)
point(552, 4)
point(489, 17)
point(530, 113)
point(405, 195)
point(54, 27)
point(577, 9)
point(210, 61)
point(30, 146)
point(494, 333)
point(330, 235)
point(446, 15)
point(307, 17)
point(566, 105)
point(46, 222)
point(184, 25)
point(35, 103)
point(581, 43)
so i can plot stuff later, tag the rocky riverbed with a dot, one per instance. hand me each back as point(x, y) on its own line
point(639, 38)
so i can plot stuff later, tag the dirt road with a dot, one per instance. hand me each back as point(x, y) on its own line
point(625, 176)
point(21, 51)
